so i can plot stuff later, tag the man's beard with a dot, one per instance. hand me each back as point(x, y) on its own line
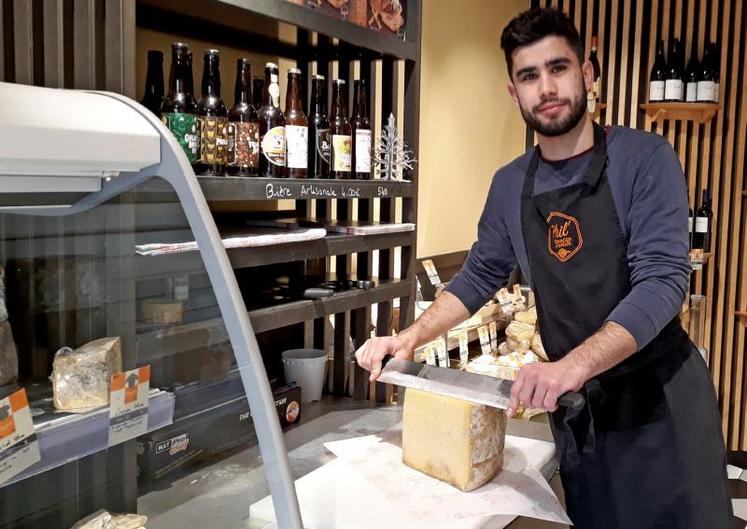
point(560, 127)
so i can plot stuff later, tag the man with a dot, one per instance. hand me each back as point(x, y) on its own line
point(597, 222)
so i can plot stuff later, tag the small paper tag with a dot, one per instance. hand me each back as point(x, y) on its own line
point(517, 290)
point(19, 448)
point(504, 298)
point(128, 411)
point(493, 336)
point(430, 355)
point(443, 354)
point(484, 339)
point(464, 347)
point(430, 269)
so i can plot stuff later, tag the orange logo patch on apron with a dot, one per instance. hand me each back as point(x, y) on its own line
point(564, 239)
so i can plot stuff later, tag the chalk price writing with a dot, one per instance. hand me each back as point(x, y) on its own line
point(277, 191)
point(351, 192)
point(318, 191)
point(383, 191)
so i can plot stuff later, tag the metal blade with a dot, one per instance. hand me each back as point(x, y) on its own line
point(473, 387)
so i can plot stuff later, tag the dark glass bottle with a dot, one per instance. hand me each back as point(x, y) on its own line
point(153, 98)
point(706, 81)
point(657, 79)
point(271, 127)
point(716, 69)
point(319, 139)
point(296, 128)
point(691, 73)
point(243, 125)
point(703, 218)
point(179, 109)
point(361, 133)
point(213, 119)
point(596, 87)
point(341, 132)
point(674, 88)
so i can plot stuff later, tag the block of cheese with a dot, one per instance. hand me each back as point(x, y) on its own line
point(80, 377)
point(8, 355)
point(102, 519)
point(527, 316)
point(538, 348)
point(164, 311)
point(453, 440)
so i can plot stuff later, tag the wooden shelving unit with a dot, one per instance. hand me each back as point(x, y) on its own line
point(697, 112)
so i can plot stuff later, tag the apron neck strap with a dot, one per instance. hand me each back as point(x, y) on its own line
point(593, 171)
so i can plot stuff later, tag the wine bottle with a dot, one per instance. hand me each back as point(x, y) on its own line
point(673, 86)
point(691, 73)
point(596, 89)
point(703, 217)
point(657, 80)
point(716, 69)
point(706, 82)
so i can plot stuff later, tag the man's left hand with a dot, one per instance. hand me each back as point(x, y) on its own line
point(539, 385)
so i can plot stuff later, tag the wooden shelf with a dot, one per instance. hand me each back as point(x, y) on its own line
point(598, 109)
point(227, 20)
point(742, 315)
point(148, 267)
point(237, 189)
point(698, 112)
point(176, 338)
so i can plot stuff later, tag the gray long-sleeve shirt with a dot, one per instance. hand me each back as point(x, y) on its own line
point(648, 189)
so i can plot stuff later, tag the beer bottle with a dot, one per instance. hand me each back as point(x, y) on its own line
point(319, 140)
point(213, 119)
point(341, 132)
point(361, 133)
point(296, 128)
point(153, 97)
point(179, 110)
point(271, 126)
point(243, 125)
point(258, 87)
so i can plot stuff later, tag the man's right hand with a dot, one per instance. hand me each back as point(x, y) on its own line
point(371, 353)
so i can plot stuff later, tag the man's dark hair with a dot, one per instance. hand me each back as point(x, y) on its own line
point(535, 24)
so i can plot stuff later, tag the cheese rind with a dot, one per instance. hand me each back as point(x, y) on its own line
point(453, 440)
point(81, 378)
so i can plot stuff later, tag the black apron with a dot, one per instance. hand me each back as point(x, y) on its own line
point(647, 450)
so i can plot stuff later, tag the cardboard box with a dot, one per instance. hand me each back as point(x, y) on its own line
point(354, 11)
point(387, 16)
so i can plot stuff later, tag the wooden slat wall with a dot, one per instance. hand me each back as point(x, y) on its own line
point(712, 155)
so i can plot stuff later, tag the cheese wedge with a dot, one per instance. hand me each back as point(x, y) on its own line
point(453, 440)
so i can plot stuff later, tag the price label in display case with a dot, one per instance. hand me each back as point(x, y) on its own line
point(430, 269)
point(430, 355)
point(443, 353)
point(492, 327)
point(19, 448)
point(128, 411)
point(464, 348)
point(484, 339)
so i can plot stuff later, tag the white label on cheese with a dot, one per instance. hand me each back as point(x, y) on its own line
point(297, 143)
point(19, 448)
point(493, 335)
point(484, 339)
point(701, 224)
point(430, 355)
point(504, 298)
point(443, 354)
point(656, 91)
point(464, 348)
point(430, 269)
point(673, 90)
point(128, 409)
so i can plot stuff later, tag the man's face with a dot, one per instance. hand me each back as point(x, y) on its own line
point(550, 85)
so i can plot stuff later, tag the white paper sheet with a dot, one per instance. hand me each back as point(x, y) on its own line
point(733, 472)
point(519, 489)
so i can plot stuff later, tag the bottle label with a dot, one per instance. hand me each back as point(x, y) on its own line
point(597, 88)
point(656, 91)
point(214, 140)
point(323, 144)
point(273, 146)
point(274, 90)
point(186, 129)
point(716, 89)
point(246, 144)
point(297, 139)
point(673, 90)
point(362, 151)
point(692, 92)
point(689, 224)
point(705, 91)
point(591, 102)
point(701, 224)
point(342, 152)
